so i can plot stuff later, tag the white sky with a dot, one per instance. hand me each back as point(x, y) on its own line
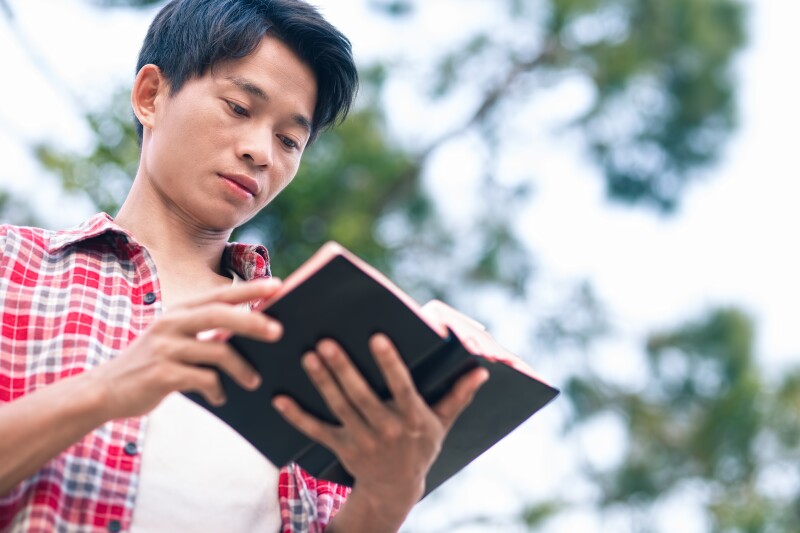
point(733, 241)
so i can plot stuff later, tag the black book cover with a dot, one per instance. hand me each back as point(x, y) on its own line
point(340, 297)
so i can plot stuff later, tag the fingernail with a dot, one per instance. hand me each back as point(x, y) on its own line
point(325, 349)
point(274, 329)
point(311, 362)
point(380, 341)
point(254, 381)
point(279, 404)
point(484, 376)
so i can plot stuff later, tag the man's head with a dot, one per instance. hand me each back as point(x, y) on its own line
point(190, 37)
point(228, 95)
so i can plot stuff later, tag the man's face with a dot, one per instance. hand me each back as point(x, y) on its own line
point(228, 142)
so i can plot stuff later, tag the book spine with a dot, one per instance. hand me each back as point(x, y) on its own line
point(436, 373)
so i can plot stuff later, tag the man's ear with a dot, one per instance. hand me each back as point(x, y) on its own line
point(149, 88)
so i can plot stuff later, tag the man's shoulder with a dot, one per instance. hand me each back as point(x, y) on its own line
point(12, 237)
point(39, 237)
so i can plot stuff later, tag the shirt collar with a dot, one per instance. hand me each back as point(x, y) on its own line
point(249, 261)
point(93, 227)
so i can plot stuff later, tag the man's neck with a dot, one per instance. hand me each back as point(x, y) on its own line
point(176, 242)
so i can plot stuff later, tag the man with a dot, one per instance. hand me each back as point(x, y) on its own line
point(100, 323)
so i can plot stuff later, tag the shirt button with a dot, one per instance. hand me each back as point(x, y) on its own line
point(149, 298)
point(114, 526)
point(131, 448)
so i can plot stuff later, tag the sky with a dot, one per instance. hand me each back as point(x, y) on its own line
point(732, 242)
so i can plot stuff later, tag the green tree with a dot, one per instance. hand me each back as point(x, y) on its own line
point(708, 418)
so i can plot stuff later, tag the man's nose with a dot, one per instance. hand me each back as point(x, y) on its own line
point(257, 149)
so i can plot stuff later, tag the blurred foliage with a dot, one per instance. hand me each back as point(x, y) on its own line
point(16, 210)
point(127, 3)
point(580, 319)
point(105, 174)
point(707, 421)
point(659, 72)
point(394, 8)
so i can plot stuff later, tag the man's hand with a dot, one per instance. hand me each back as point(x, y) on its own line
point(169, 356)
point(165, 358)
point(388, 447)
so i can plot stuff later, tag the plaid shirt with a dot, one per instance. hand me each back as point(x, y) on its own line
point(70, 300)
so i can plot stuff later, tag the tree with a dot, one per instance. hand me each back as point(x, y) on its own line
point(707, 419)
point(659, 73)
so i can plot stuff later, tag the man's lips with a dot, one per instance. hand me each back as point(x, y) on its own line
point(244, 181)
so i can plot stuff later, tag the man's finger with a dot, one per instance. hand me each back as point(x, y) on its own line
point(221, 315)
point(350, 383)
point(395, 373)
point(238, 293)
point(224, 358)
point(332, 393)
point(307, 424)
point(203, 381)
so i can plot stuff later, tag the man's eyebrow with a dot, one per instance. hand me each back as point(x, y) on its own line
point(303, 122)
point(251, 88)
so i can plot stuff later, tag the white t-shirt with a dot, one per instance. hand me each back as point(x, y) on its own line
point(198, 474)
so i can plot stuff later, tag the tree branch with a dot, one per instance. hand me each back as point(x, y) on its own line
point(493, 97)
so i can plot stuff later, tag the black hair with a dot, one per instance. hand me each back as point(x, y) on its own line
point(189, 37)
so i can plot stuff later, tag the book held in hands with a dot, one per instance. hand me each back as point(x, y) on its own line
point(337, 295)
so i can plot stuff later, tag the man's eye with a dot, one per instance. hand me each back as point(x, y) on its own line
point(237, 109)
point(289, 143)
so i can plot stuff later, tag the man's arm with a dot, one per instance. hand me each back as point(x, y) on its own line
point(38, 426)
point(167, 357)
point(388, 447)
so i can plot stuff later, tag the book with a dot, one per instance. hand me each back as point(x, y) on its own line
point(337, 295)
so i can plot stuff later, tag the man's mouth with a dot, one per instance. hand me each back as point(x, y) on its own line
point(243, 181)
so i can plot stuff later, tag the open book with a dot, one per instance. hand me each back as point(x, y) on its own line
point(336, 295)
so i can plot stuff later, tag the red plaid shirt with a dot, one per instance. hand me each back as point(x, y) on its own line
point(70, 300)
